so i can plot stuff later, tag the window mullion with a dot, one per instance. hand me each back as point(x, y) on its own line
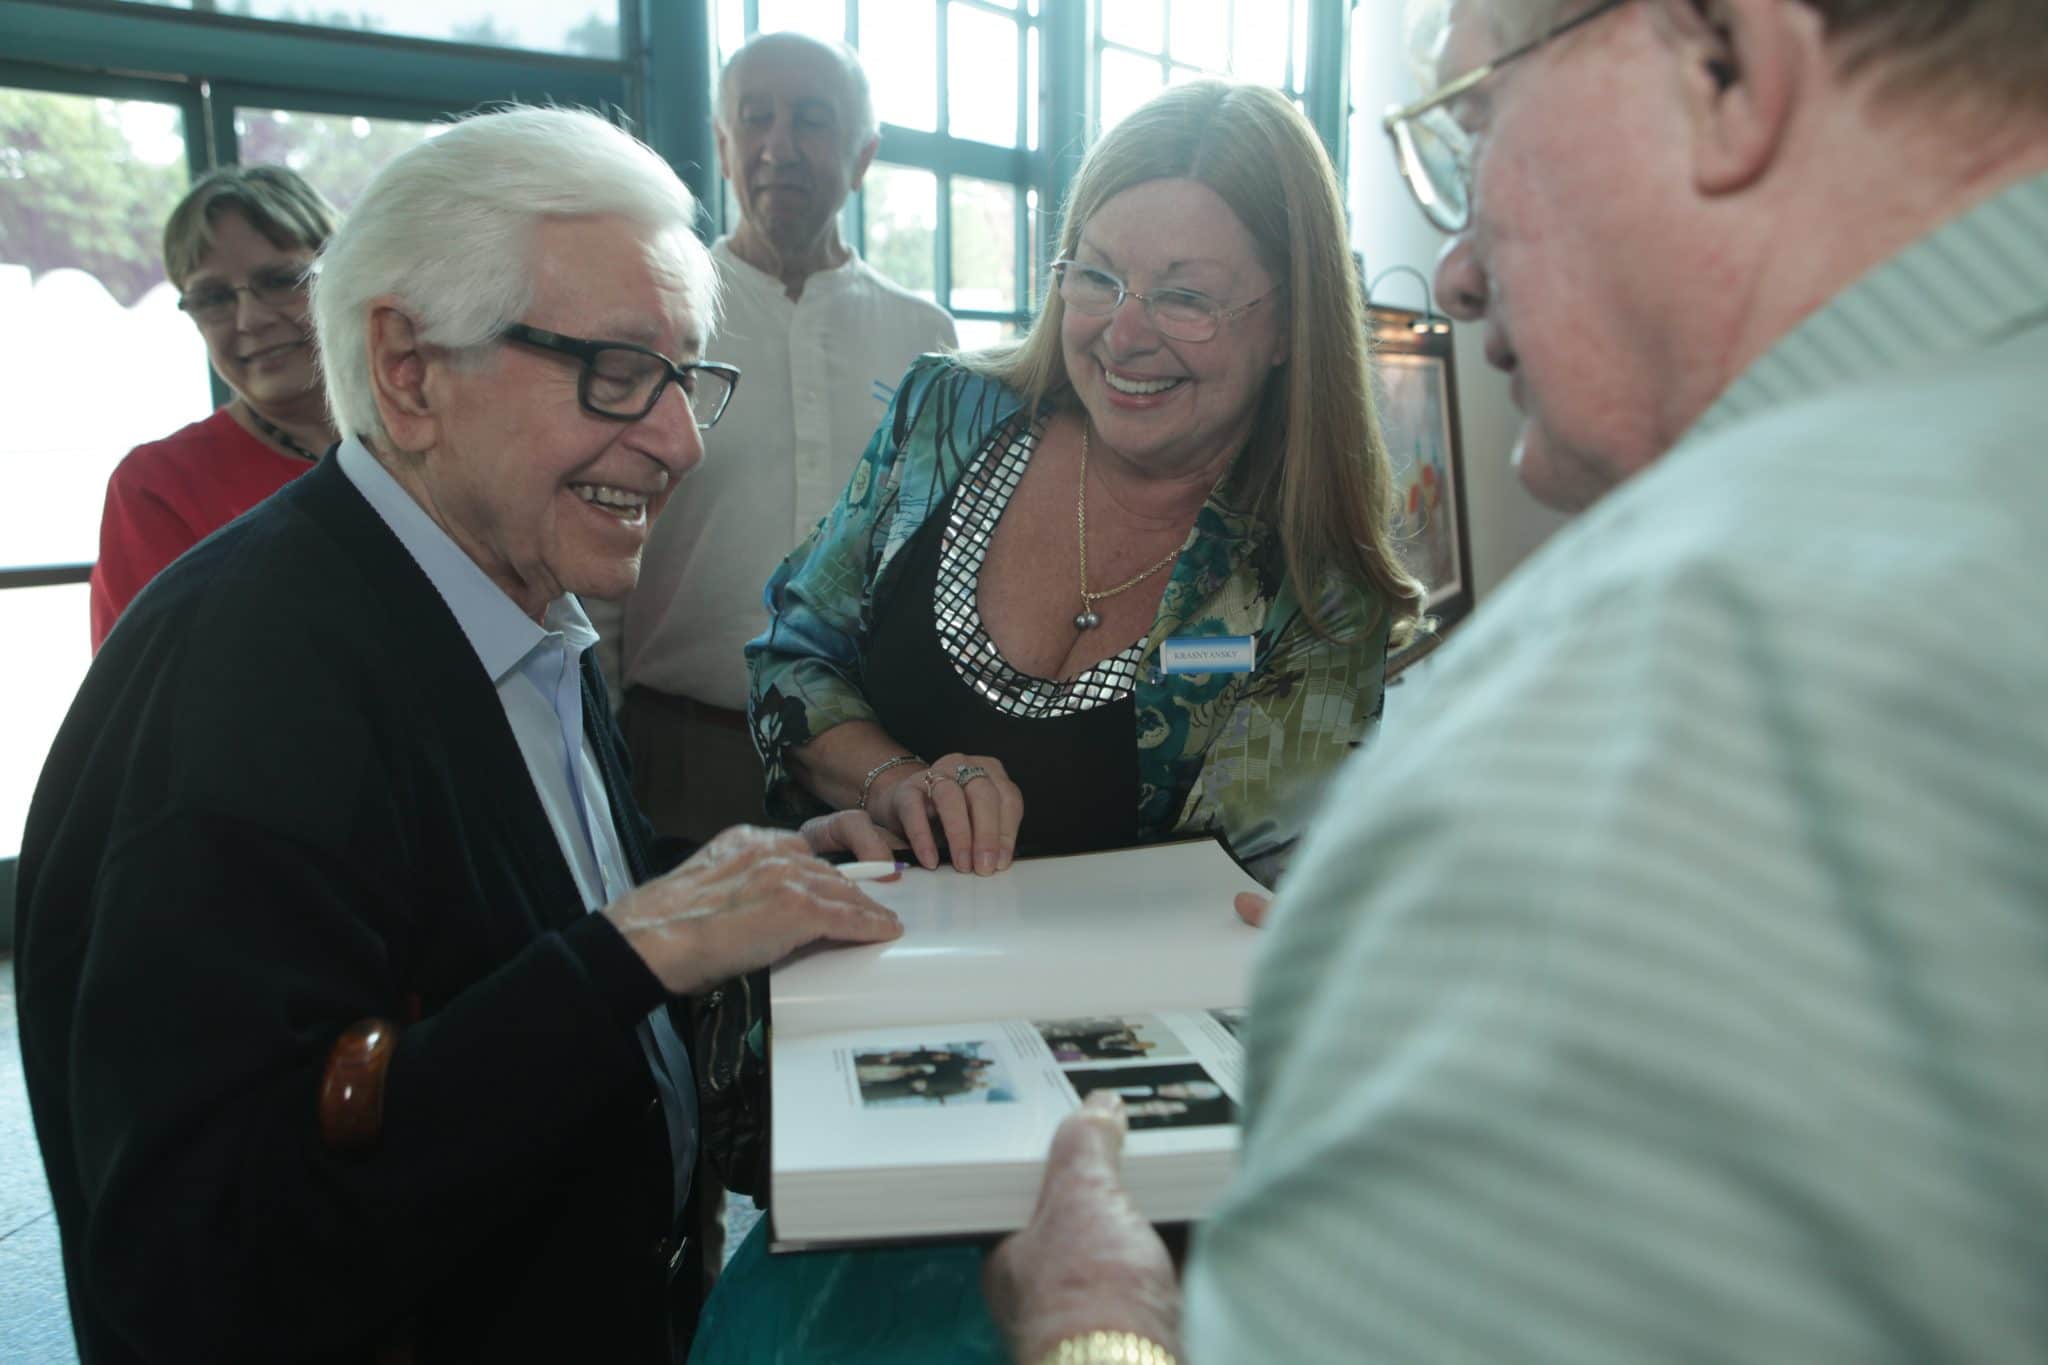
point(942, 243)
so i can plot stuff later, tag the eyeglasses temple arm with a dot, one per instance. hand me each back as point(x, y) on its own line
point(1443, 95)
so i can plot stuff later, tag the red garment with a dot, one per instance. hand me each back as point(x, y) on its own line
point(169, 495)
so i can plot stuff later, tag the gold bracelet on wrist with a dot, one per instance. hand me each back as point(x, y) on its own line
point(867, 783)
point(1108, 1348)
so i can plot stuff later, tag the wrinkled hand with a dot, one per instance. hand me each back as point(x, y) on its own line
point(1252, 907)
point(1088, 1260)
point(978, 817)
point(851, 831)
point(748, 898)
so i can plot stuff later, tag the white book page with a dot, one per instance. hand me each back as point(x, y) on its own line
point(975, 1093)
point(1144, 928)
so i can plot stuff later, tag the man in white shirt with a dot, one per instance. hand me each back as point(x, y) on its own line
point(822, 340)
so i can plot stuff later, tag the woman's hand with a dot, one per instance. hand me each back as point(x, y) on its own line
point(1088, 1260)
point(968, 797)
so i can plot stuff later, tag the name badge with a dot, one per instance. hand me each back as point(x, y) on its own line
point(1207, 654)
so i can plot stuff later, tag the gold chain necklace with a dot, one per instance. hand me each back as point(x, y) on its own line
point(1088, 618)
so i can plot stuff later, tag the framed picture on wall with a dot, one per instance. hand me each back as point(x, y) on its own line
point(1417, 390)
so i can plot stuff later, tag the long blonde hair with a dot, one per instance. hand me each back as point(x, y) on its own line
point(1316, 467)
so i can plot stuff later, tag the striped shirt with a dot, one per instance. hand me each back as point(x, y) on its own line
point(1672, 981)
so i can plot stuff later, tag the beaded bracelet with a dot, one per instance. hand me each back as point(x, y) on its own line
point(867, 783)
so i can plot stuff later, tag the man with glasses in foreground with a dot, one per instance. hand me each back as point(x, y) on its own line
point(1683, 956)
point(343, 951)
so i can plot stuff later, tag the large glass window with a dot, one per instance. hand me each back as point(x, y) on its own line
point(902, 70)
point(99, 359)
point(1142, 46)
point(902, 216)
point(338, 153)
point(95, 335)
point(47, 626)
point(93, 329)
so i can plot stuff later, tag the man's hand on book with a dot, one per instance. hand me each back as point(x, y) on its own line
point(748, 898)
point(1088, 1260)
point(851, 831)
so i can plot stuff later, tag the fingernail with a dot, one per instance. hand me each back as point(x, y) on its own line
point(1106, 1102)
point(985, 862)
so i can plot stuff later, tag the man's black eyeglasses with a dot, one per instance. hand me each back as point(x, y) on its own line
point(623, 382)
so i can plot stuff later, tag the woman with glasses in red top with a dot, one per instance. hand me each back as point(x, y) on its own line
point(238, 248)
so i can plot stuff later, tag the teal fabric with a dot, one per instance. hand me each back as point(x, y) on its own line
point(907, 1306)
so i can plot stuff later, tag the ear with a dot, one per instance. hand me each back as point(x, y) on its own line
point(398, 378)
point(725, 166)
point(1742, 65)
point(862, 159)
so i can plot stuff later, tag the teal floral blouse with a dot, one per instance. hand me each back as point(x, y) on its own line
point(1243, 755)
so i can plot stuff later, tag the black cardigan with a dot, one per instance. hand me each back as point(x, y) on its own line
point(287, 798)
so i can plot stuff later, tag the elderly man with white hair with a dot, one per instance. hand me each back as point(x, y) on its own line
point(1674, 984)
point(824, 339)
point(343, 950)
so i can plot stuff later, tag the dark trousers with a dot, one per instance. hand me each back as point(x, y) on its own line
point(695, 771)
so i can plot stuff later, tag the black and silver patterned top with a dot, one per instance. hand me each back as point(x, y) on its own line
point(978, 504)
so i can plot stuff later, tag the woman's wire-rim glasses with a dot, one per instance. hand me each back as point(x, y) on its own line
point(277, 287)
point(707, 384)
point(1448, 204)
point(1181, 314)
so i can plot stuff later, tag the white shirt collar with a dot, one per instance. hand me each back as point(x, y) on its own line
point(500, 633)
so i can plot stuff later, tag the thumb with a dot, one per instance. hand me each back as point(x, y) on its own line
point(1090, 1143)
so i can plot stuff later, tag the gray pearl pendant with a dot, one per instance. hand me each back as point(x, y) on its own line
point(1087, 620)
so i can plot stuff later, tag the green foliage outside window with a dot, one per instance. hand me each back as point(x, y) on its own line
point(74, 193)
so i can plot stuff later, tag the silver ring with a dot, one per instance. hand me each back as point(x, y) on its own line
point(967, 772)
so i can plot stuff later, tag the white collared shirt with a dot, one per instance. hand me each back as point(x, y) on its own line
point(817, 374)
point(532, 665)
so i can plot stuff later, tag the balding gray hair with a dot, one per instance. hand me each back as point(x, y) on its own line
point(857, 101)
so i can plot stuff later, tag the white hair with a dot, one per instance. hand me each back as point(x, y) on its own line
point(448, 228)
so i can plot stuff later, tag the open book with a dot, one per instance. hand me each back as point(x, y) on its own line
point(917, 1084)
